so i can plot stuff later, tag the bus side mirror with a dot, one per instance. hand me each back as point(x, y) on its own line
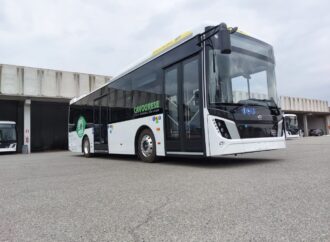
point(224, 39)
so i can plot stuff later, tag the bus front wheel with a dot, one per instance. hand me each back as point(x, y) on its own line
point(86, 148)
point(146, 146)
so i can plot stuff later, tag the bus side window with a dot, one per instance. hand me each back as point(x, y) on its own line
point(88, 114)
point(96, 113)
point(120, 100)
point(74, 116)
point(112, 101)
point(146, 88)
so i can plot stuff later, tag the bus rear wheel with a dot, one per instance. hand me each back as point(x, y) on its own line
point(146, 146)
point(86, 148)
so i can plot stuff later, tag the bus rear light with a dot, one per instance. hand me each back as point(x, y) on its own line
point(222, 128)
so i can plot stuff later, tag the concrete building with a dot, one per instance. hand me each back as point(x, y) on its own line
point(311, 113)
point(38, 100)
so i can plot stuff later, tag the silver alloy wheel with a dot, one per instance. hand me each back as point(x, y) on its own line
point(146, 145)
point(86, 147)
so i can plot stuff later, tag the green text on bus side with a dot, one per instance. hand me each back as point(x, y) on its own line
point(147, 107)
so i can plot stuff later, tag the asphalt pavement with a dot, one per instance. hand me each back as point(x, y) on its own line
point(279, 195)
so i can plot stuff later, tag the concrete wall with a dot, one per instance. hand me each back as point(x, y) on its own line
point(37, 82)
point(304, 104)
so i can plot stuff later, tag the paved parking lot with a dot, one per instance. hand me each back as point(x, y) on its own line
point(269, 196)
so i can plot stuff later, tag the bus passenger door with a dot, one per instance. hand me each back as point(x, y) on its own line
point(101, 123)
point(183, 105)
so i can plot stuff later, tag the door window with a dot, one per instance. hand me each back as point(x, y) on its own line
point(171, 95)
point(192, 119)
point(182, 107)
point(101, 120)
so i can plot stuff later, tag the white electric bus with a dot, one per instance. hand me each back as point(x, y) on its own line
point(208, 93)
point(8, 136)
point(291, 126)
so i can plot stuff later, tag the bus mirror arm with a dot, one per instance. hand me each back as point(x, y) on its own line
point(223, 37)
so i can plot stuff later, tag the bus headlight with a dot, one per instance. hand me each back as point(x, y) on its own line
point(222, 128)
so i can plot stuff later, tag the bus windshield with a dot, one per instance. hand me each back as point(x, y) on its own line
point(246, 76)
point(291, 122)
point(7, 132)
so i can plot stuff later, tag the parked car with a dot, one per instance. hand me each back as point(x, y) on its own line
point(316, 132)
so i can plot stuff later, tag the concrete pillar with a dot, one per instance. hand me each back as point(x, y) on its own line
point(305, 125)
point(327, 124)
point(27, 127)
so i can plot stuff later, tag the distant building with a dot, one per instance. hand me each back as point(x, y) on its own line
point(311, 113)
point(38, 101)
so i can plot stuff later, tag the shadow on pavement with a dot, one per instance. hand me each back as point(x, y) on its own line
point(218, 162)
point(229, 161)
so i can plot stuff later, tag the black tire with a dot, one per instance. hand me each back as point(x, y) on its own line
point(146, 146)
point(86, 147)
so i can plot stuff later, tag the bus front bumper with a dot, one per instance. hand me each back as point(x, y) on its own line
point(238, 146)
point(218, 145)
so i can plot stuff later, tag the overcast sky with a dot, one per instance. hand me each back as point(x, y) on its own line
point(104, 36)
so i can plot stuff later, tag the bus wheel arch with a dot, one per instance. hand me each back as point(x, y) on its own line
point(145, 134)
point(85, 146)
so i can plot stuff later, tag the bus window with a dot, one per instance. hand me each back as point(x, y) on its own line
point(148, 83)
point(120, 100)
point(75, 112)
point(7, 132)
point(146, 89)
point(171, 92)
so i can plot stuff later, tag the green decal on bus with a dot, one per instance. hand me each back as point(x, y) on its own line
point(147, 107)
point(81, 125)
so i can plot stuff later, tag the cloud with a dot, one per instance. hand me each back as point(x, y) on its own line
point(105, 36)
